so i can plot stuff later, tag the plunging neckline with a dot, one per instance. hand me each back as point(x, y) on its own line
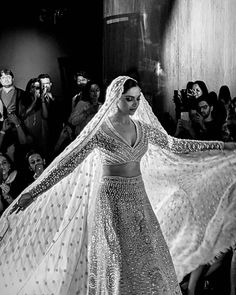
point(112, 128)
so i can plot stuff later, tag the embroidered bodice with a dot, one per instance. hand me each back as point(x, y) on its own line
point(115, 150)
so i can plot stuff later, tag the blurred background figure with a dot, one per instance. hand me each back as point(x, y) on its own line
point(81, 79)
point(35, 165)
point(35, 115)
point(199, 89)
point(86, 108)
point(10, 95)
point(11, 183)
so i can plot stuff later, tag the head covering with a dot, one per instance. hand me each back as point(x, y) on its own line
point(192, 195)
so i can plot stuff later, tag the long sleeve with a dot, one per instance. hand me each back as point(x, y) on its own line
point(64, 169)
point(178, 145)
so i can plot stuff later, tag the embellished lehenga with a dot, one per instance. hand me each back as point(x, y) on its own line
point(91, 234)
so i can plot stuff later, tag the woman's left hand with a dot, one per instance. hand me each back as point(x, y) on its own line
point(230, 146)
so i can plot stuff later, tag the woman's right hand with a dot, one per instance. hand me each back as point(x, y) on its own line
point(24, 201)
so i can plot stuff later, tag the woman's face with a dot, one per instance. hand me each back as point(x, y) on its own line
point(4, 165)
point(129, 101)
point(35, 89)
point(197, 91)
point(94, 93)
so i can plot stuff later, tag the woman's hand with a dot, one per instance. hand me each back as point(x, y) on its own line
point(230, 146)
point(24, 201)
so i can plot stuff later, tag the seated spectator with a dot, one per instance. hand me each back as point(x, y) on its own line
point(86, 108)
point(35, 163)
point(225, 96)
point(214, 278)
point(231, 119)
point(219, 108)
point(14, 138)
point(207, 126)
point(11, 183)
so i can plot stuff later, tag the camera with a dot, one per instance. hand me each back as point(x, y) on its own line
point(11, 112)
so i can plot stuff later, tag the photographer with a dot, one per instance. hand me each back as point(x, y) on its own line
point(55, 108)
point(36, 114)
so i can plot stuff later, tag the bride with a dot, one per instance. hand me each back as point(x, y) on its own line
point(89, 223)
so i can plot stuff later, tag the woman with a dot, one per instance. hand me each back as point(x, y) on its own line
point(10, 182)
point(92, 229)
point(35, 115)
point(199, 89)
point(86, 108)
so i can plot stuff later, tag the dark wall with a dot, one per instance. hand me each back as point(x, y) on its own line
point(54, 41)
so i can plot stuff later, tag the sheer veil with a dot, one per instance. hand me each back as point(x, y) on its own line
point(193, 196)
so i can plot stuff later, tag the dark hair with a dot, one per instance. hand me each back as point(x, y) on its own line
point(81, 73)
point(27, 100)
point(32, 152)
point(212, 97)
point(6, 72)
point(129, 84)
point(206, 99)
point(43, 76)
point(224, 94)
point(30, 83)
point(9, 160)
point(86, 91)
point(189, 85)
point(203, 87)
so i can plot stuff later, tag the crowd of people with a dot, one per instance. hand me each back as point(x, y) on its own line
point(32, 128)
point(205, 115)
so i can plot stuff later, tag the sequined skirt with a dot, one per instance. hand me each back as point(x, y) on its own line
point(127, 251)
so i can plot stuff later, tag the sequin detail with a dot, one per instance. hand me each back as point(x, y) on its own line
point(114, 151)
point(127, 253)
